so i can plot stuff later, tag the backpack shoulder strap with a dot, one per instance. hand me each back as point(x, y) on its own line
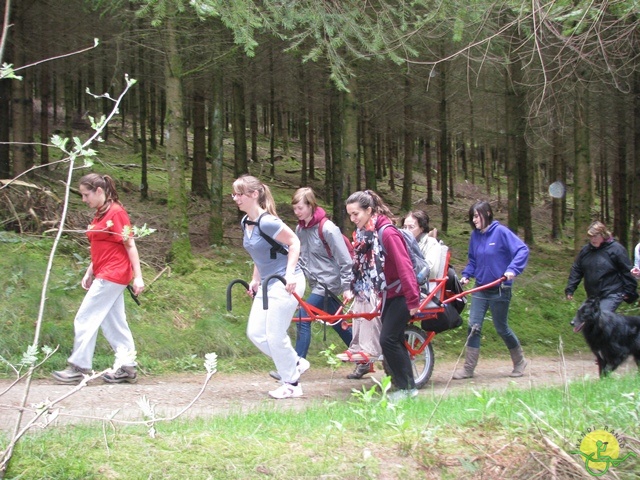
point(380, 230)
point(276, 247)
point(321, 235)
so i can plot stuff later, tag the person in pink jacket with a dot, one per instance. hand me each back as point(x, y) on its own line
point(372, 273)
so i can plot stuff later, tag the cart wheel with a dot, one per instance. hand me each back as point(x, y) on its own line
point(422, 363)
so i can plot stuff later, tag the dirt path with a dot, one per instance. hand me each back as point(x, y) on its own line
point(235, 393)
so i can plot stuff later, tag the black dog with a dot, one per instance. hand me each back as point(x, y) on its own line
point(611, 336)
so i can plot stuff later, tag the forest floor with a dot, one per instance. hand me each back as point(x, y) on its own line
point(246, 392)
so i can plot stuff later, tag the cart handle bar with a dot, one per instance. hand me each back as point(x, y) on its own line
point(265, 288)
point(476, 289)
point(242, 282)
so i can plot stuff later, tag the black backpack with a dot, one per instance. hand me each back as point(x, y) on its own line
point(449, 318)
point(454, 287)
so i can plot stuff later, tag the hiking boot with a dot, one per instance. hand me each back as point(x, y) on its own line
point(121, 375)
point(519, 362)
point(470, 363)
point(286, 390)
point(71, 374)
point(360, 371)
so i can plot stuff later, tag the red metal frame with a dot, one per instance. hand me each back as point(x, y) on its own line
point(437, 294)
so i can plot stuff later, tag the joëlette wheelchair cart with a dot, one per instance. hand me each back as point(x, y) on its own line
point(430, 319)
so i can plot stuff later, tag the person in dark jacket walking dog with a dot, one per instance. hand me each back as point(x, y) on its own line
point(605, 267)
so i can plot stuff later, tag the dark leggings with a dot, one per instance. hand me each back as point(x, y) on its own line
point(395, 316)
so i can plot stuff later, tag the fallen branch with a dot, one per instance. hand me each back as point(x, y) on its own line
point(167, 268)
point(13, 211)
point(565, 456)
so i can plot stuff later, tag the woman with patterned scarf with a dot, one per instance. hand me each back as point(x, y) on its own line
point(367, 267)
point(373, 271)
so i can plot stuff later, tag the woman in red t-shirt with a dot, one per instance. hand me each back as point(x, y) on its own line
point(114, 264)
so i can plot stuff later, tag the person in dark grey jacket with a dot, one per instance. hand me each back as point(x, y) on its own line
point(325, 260)
point(605, 267)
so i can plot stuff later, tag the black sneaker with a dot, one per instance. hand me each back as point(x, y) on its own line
point(70, 375)
point(122, 375)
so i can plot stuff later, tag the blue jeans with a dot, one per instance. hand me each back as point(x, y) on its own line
point(303, 333)
point(496, 300)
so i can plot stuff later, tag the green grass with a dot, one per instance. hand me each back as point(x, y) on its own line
point(429, 437)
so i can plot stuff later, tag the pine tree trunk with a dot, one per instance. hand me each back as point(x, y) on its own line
point(511, 129)
point(473, 154)
point(556, 176)
point(444, 147)
point(216, 129)
point(180, 250)
point(22, 103)
point(199, 183)
point(407, 184)
point(368, 154)
point(239, 126)
point(153, 110)
point(253, 125)
point(428, 170)
point(328, 160)
point(523, 165)
point(583, 189)
point(337, 155)
point(143, 94)
point(272, 116)
point(635, 192)
point(619, 175)
point(350, 142)
point(45, 102)
point(311, 140)
point(303, 124)
point(391, 155)
point(5, 97)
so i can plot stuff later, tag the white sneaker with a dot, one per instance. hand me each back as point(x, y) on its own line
point(303, 365)
point(399, 395)
point(286, 390)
